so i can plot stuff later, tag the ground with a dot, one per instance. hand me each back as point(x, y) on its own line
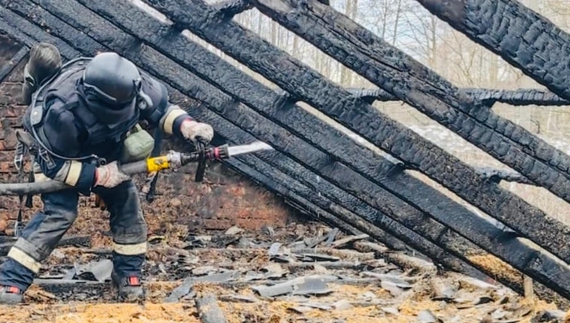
point(329, 281)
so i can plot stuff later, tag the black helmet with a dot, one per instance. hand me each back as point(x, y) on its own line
point(111, 78)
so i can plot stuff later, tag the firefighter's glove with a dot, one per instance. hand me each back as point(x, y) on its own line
point(109, 175)
point(194, 131)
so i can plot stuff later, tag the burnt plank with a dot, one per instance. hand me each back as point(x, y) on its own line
point(490, 236)
point(488, 97)
point(71, 240)
point(307, 85)
point(208, 309)
point(518, 97)
point(230, 8)
point(371, 95)
point(522, 37)
point(410, 81)
point(28, 34)
point(78, 39)
point(497, 175)
point(13, 63)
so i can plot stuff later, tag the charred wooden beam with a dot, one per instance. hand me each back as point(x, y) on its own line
point(497, 176)
point(171, 74)
point(28, 34)
point(399, 74)
point(230, 8)
point(301, 206)
point(150, 60)
point(488, 97)
point(371, 95)
point(298, 79)
point(13, 62)
point(516, 97)
point(519, 35)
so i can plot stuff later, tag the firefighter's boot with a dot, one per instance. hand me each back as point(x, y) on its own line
point(129, 288)
point(10, 295)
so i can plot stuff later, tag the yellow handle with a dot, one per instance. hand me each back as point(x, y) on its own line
point(157, 163)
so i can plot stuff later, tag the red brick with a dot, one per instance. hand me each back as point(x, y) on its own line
point(11, 93)
point(12, 111)
point(252, 224)
point(215, 224)
point(10, 140)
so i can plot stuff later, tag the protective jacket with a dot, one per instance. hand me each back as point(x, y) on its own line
point(75, 131)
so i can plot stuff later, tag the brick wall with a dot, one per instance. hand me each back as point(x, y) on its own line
point(224, 199)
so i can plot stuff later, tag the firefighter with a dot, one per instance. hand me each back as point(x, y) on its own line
point(81, 123)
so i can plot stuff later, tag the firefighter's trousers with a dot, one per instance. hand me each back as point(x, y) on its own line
point(42, 234)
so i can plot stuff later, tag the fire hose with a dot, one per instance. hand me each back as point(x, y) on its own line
point(172, 160)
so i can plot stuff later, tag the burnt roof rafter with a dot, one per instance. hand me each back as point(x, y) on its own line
point(487, 97)
point(522, 37)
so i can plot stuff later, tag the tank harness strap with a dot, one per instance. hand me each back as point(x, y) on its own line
point(19, 164)
point(24, 148)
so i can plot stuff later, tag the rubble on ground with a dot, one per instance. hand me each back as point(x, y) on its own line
point(301, 273)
